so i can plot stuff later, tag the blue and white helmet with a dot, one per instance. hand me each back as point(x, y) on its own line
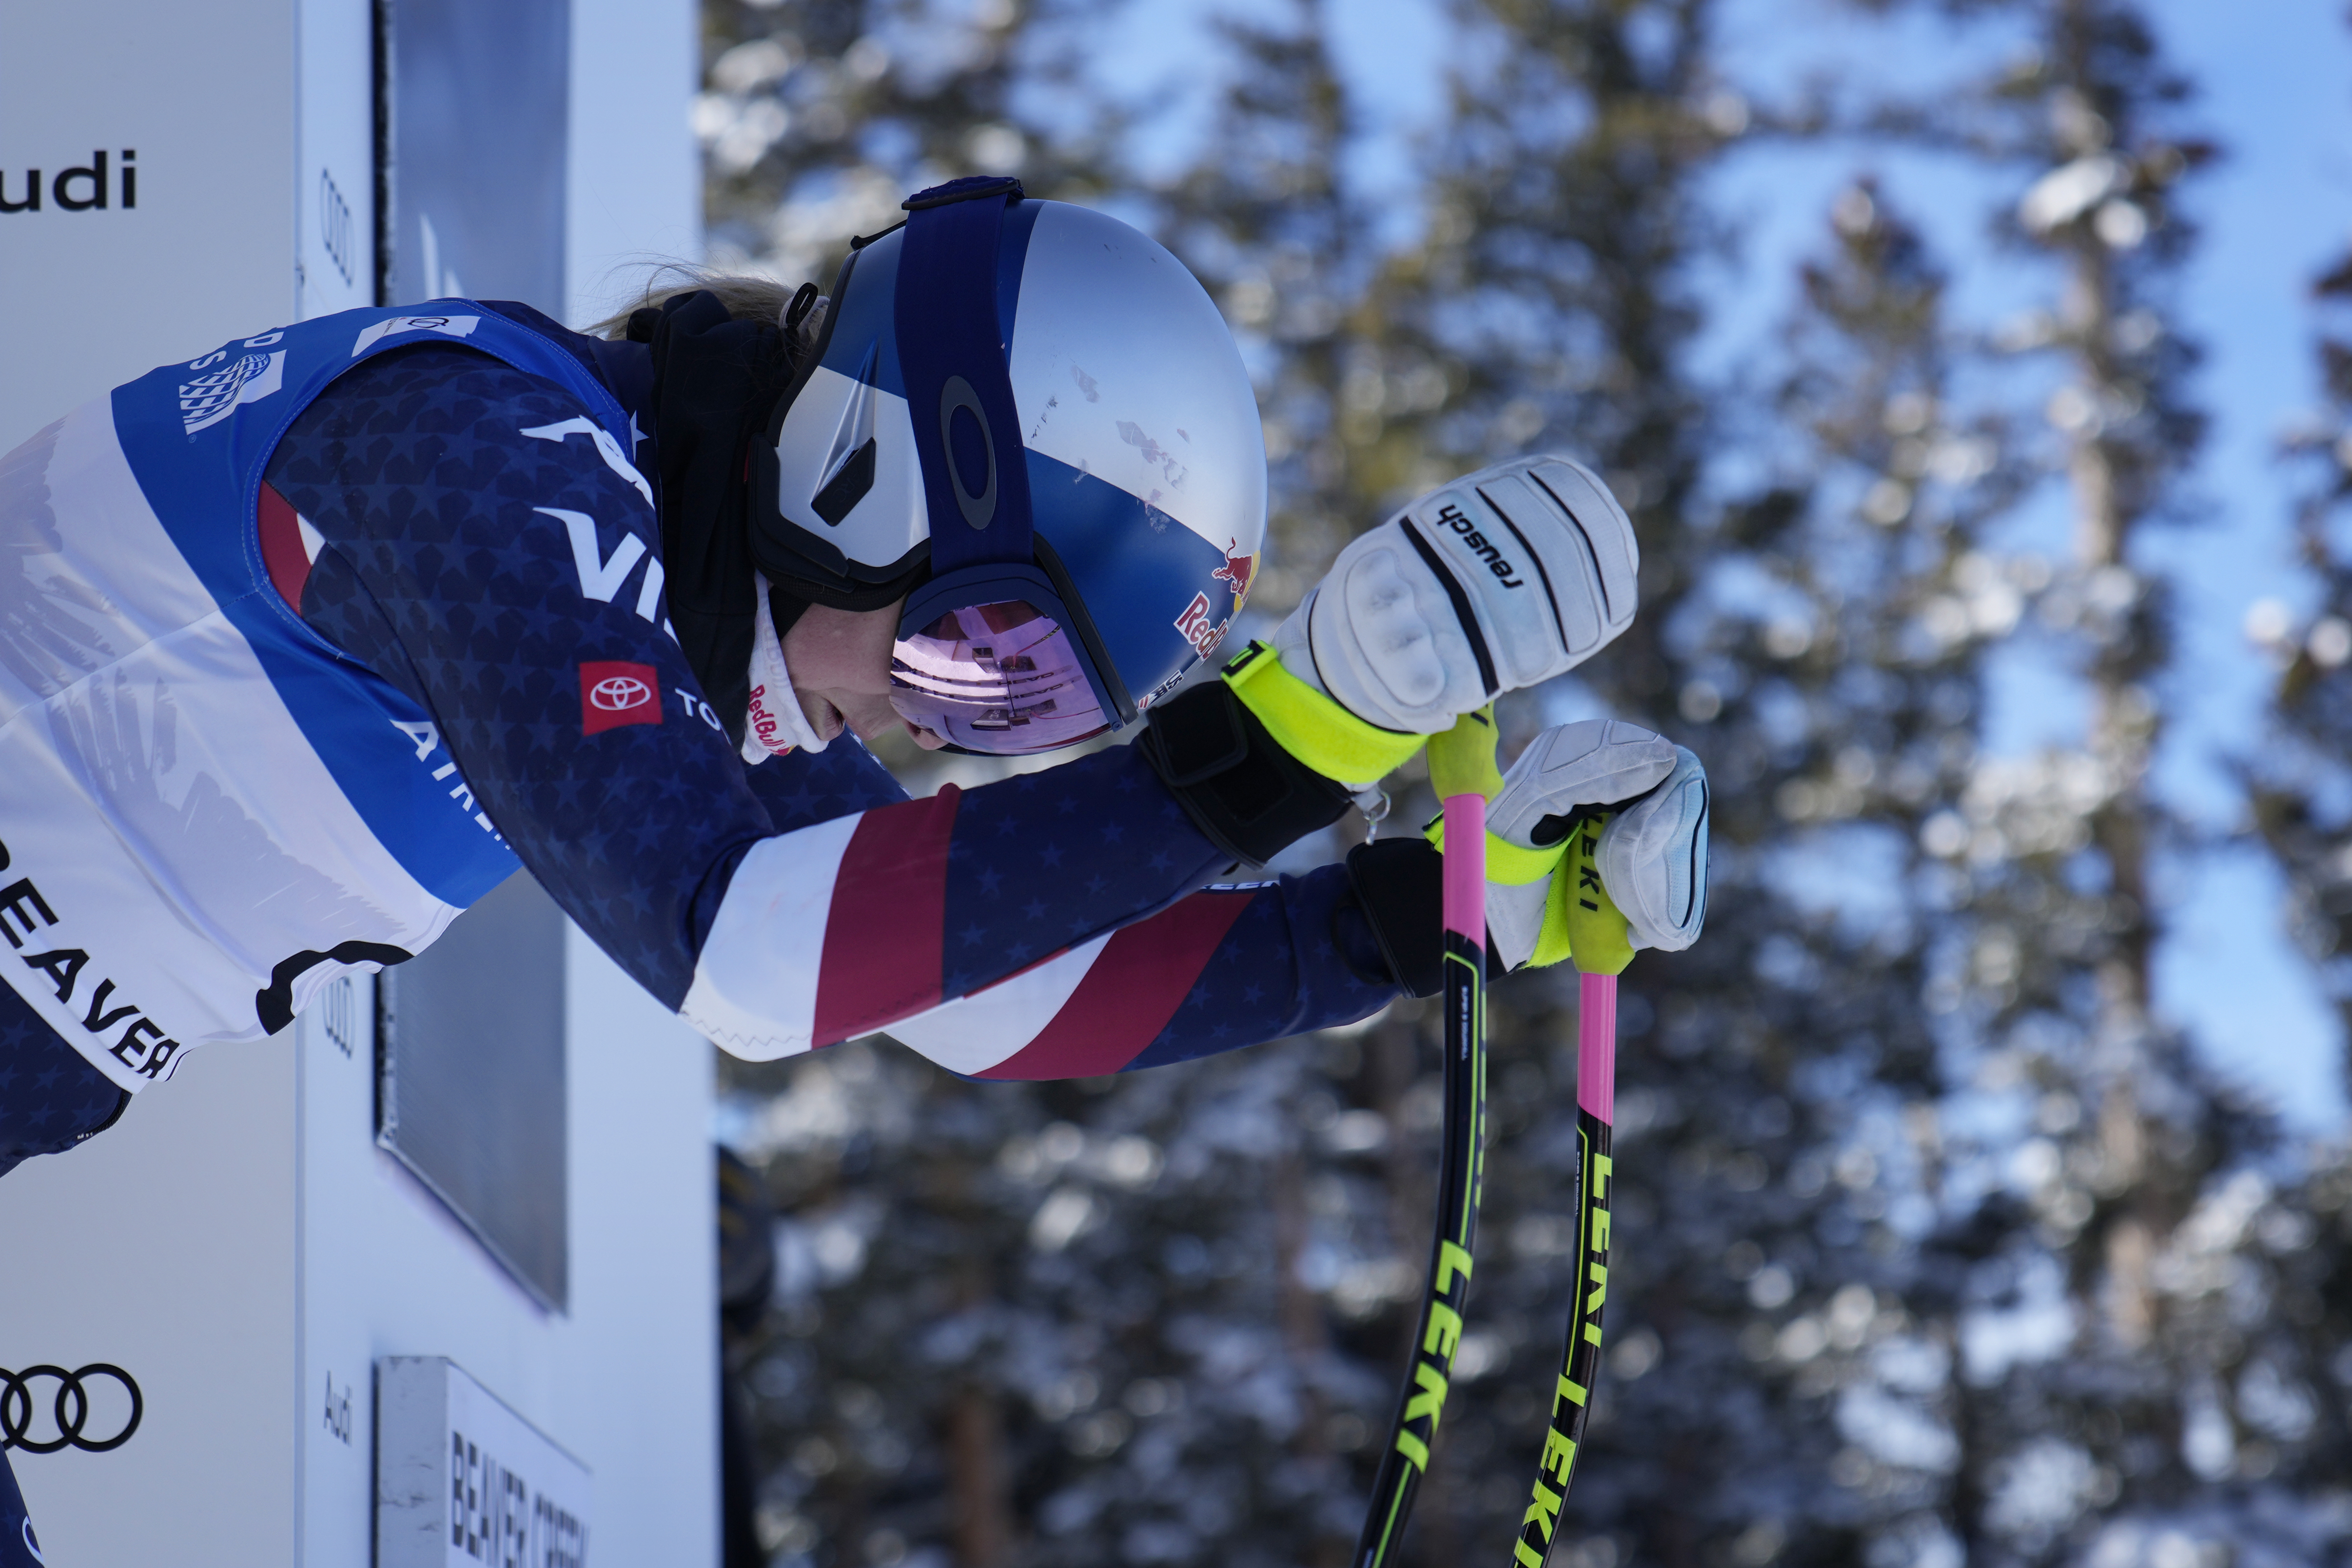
point(1030, 420)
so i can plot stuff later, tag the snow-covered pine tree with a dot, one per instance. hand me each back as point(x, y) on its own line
point(2128, 1296)
point(818, 117)
point(2298, 784)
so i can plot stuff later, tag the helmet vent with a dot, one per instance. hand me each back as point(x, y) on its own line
point(849, 467)
point(848, 487)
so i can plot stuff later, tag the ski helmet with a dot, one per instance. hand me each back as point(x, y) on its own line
point(1029, 420)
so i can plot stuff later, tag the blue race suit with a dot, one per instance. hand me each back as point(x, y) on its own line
point(19, 1546)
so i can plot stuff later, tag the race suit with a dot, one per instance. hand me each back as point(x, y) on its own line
point(307, 644)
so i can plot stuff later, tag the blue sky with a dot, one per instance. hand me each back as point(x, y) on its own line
point(2278, 86)
point(2276, 91)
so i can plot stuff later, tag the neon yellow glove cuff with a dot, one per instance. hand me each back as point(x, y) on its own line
point(1587, 919)
point(1506, 863)
point(1312, 728)
point(1461, 759)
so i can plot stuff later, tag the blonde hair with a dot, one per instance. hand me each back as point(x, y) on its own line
point(748, 297)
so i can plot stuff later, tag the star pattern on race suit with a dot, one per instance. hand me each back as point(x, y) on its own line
point(1277, 972)
point(804, 787)
point(442, 578)
point(1015, 865)
point(50, 1096)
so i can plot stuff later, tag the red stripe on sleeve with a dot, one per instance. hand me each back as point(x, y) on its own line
point(281, 546)
point(1142, 977)
point(885, 930)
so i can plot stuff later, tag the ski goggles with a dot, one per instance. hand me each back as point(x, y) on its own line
point(1005, 679)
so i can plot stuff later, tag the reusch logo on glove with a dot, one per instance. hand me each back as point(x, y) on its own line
point(1450, 516)
point(614, 692)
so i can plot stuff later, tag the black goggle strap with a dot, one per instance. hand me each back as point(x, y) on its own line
point(951, 353)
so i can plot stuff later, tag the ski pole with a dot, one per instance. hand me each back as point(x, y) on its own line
point(1461, 766)
point(1597, 941)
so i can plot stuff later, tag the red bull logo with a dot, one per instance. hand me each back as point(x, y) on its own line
point(1193, 625)
point(1237, 572)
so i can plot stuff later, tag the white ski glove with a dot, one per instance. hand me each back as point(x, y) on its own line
point(1494, 583)
point(1650, 858)
point(1501, 580)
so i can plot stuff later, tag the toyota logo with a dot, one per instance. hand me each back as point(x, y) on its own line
point(619, 693)
point(70, 1408)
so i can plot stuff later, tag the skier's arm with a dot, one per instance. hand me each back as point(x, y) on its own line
point(809, 787)
point(1229, 966)
point(474, 556)
point(1232, 966)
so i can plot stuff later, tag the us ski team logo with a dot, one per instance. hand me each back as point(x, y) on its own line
point(209, 399)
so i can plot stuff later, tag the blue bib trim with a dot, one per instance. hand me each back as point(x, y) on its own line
point(199, 437)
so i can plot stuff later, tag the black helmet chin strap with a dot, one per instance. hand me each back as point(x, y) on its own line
point(715, 381)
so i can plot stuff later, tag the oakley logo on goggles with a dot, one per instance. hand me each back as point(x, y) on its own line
point(1000, 678)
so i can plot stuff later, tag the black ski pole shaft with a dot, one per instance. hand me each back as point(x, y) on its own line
point(1439, 1331)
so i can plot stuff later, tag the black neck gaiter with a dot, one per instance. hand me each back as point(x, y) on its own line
point(716, 380)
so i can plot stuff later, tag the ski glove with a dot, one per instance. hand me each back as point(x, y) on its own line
point(1496, 582)
point(1652, 859)
point(1544, 840)
point(1500, 581)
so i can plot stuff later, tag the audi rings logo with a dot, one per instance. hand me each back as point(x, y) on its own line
point(619, 693)
point(39, 1421)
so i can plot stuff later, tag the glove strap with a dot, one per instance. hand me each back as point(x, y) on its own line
point(1311, 726)
point(1461, 761)
point(1400, 889)
point(1506, 863)
point(1252, 798)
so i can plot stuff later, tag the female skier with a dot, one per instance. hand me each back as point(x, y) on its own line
point(308, 643)
point(305, 643)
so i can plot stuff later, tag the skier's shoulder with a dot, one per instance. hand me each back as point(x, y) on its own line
point(477, 359)
point(425, 407)
point(626, 368)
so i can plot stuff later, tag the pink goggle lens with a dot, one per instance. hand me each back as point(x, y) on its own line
point(1000, 678)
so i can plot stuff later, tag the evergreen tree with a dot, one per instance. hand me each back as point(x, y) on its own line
point(818, 117)
point(2135, 1367)
point(2298, 785)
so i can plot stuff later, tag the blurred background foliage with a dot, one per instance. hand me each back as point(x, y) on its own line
point(1936, 1243)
